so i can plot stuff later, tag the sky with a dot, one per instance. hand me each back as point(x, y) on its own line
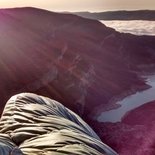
point(81, 5)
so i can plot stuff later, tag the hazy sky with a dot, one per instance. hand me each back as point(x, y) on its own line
point(81, 5)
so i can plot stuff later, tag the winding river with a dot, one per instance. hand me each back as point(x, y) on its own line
point(129, 103)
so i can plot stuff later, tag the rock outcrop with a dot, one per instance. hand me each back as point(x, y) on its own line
point(33, 124)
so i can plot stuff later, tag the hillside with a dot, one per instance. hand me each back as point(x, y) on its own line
point(137, 127)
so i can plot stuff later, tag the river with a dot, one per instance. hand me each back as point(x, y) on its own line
point(129, 103)
point(139, 98)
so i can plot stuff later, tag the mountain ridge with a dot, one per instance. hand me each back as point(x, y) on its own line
point(120, 15)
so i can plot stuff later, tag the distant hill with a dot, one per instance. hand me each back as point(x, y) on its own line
point(120, 15)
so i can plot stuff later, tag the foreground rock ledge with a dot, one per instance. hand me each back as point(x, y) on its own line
point(32, 124)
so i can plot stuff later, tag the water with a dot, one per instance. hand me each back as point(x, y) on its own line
point(130, 102)
point(137, 27)
point(138, 99)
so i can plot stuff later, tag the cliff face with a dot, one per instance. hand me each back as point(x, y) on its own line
point(79, 62)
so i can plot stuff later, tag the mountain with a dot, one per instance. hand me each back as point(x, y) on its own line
point(76, 61)
point(120, 15)
point(137, 127)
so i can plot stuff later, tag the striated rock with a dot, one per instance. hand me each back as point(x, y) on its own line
point(33, 124)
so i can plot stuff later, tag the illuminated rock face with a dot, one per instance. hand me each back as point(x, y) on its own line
point(78, 62)
point(33, 124)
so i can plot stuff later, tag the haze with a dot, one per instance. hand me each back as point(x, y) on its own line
point(81, 5)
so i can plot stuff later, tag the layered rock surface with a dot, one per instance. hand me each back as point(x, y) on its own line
point(33, 124)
